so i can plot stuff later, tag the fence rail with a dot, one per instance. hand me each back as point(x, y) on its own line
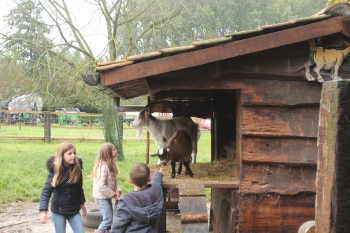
point(47, 126)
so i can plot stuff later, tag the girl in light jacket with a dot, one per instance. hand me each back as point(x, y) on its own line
point(105, 185)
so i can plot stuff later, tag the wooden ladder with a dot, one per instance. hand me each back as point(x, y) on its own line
point(193, 208)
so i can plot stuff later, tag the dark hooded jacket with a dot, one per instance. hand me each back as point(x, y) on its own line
point(138, 211)
point(67, 198)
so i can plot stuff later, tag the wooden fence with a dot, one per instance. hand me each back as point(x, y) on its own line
point(38, 125)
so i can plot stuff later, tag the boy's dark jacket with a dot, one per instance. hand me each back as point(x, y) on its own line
point(67, 198)
point(138, 211)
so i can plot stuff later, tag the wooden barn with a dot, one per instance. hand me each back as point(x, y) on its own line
point(262, 91)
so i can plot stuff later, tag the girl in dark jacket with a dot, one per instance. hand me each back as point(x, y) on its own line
point(66, 183)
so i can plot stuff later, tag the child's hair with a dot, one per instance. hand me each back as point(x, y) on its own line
point(59, 173)
point(105, 154)
point(139, 174)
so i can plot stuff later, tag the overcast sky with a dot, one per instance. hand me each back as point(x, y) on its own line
point(91, 24)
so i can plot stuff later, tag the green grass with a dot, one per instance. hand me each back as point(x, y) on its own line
point(62, 131)
point(23, 171)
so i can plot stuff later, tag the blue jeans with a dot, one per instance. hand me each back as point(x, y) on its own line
point(59, 221)
point(106, 209)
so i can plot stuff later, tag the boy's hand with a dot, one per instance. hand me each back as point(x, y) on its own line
point(161, 170)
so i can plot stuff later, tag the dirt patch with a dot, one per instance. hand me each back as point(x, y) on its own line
point(23, 217)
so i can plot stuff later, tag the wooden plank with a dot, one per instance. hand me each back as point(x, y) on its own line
point(280, 122)
point(275, 213)
point(180, 83)
point(285, 151)
point(258, 179)
point(194, 228)
point(283, 93)
point(332, 199)
point(193, 205)
point(286, 62)
point(191, 190)
point(228, 184)
point(224, 51)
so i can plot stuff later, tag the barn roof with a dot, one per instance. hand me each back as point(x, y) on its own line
point(141, 74)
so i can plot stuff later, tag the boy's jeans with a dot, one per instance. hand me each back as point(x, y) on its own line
point(75, 223)
point(106, 209)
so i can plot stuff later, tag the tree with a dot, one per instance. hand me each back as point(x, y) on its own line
point(29, 36)
point(24, 45)
point(34, 64)
point(330, 2)
point(130, 27)
point(125, 29)
point(127, 24)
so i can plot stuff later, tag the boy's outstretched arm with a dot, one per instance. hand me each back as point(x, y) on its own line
point(157, 177)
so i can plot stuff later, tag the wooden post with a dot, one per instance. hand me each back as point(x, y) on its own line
point(333, 166)
point(47, 126)
point(162, 217)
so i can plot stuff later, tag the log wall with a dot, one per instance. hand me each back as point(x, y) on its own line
point(278, 138)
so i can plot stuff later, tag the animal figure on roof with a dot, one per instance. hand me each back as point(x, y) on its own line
point(322, 58)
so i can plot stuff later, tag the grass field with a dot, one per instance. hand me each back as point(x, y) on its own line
point(56, 131)
point(22, 162)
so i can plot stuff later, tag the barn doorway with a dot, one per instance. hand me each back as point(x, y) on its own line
point(223, 130)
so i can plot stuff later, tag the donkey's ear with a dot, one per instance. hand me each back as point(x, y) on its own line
point(148, 111)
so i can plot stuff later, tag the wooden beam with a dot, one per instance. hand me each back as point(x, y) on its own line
point(275, 213)
point(283, 151)
point(280, 61)
point(280, 122)
point(274, 93)
point(332, 194)
point(254, 92)
point(162, 216)
point(194, 218)
point(261, 179)
point(191, 190)
point(207, 184)
point(222, 52)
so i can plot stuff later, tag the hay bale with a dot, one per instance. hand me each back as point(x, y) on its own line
point(223, 170)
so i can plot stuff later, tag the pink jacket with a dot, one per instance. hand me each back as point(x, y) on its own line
point(104, 187)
